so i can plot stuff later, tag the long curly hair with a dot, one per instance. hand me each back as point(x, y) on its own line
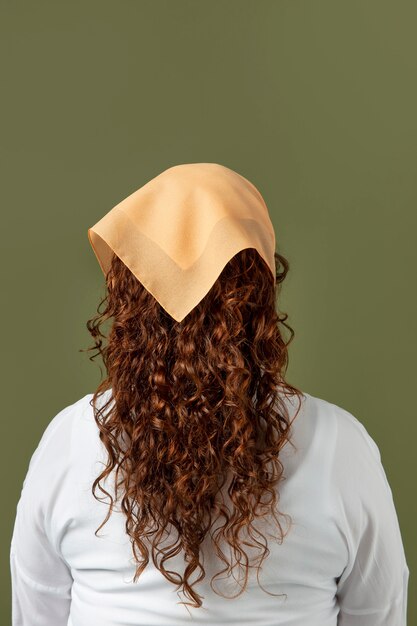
point(195, 402)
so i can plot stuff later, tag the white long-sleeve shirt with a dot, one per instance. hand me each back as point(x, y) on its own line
point(342, 562)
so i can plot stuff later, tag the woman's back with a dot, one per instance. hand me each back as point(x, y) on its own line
point(341, 561)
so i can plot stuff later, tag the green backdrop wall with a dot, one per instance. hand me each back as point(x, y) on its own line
point(314, 101)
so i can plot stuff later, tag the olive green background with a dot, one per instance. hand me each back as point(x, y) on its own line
point(314, 101)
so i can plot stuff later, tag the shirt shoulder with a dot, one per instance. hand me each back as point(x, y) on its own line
point(335, 447)
point(360, 489)
point(348, 430)
point(54, 445)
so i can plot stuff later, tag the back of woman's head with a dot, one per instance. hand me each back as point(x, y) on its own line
point(195, 403)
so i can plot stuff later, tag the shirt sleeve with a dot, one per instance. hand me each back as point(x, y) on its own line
point(41, 580)
point(372, 589)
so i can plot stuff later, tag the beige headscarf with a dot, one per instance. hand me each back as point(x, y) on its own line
point(178, 231)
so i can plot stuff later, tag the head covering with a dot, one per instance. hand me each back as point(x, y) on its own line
point(178, 231)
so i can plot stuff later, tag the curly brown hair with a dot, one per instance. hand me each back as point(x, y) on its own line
point(195, 401)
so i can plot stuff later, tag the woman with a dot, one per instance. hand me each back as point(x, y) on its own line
point(168, 477)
